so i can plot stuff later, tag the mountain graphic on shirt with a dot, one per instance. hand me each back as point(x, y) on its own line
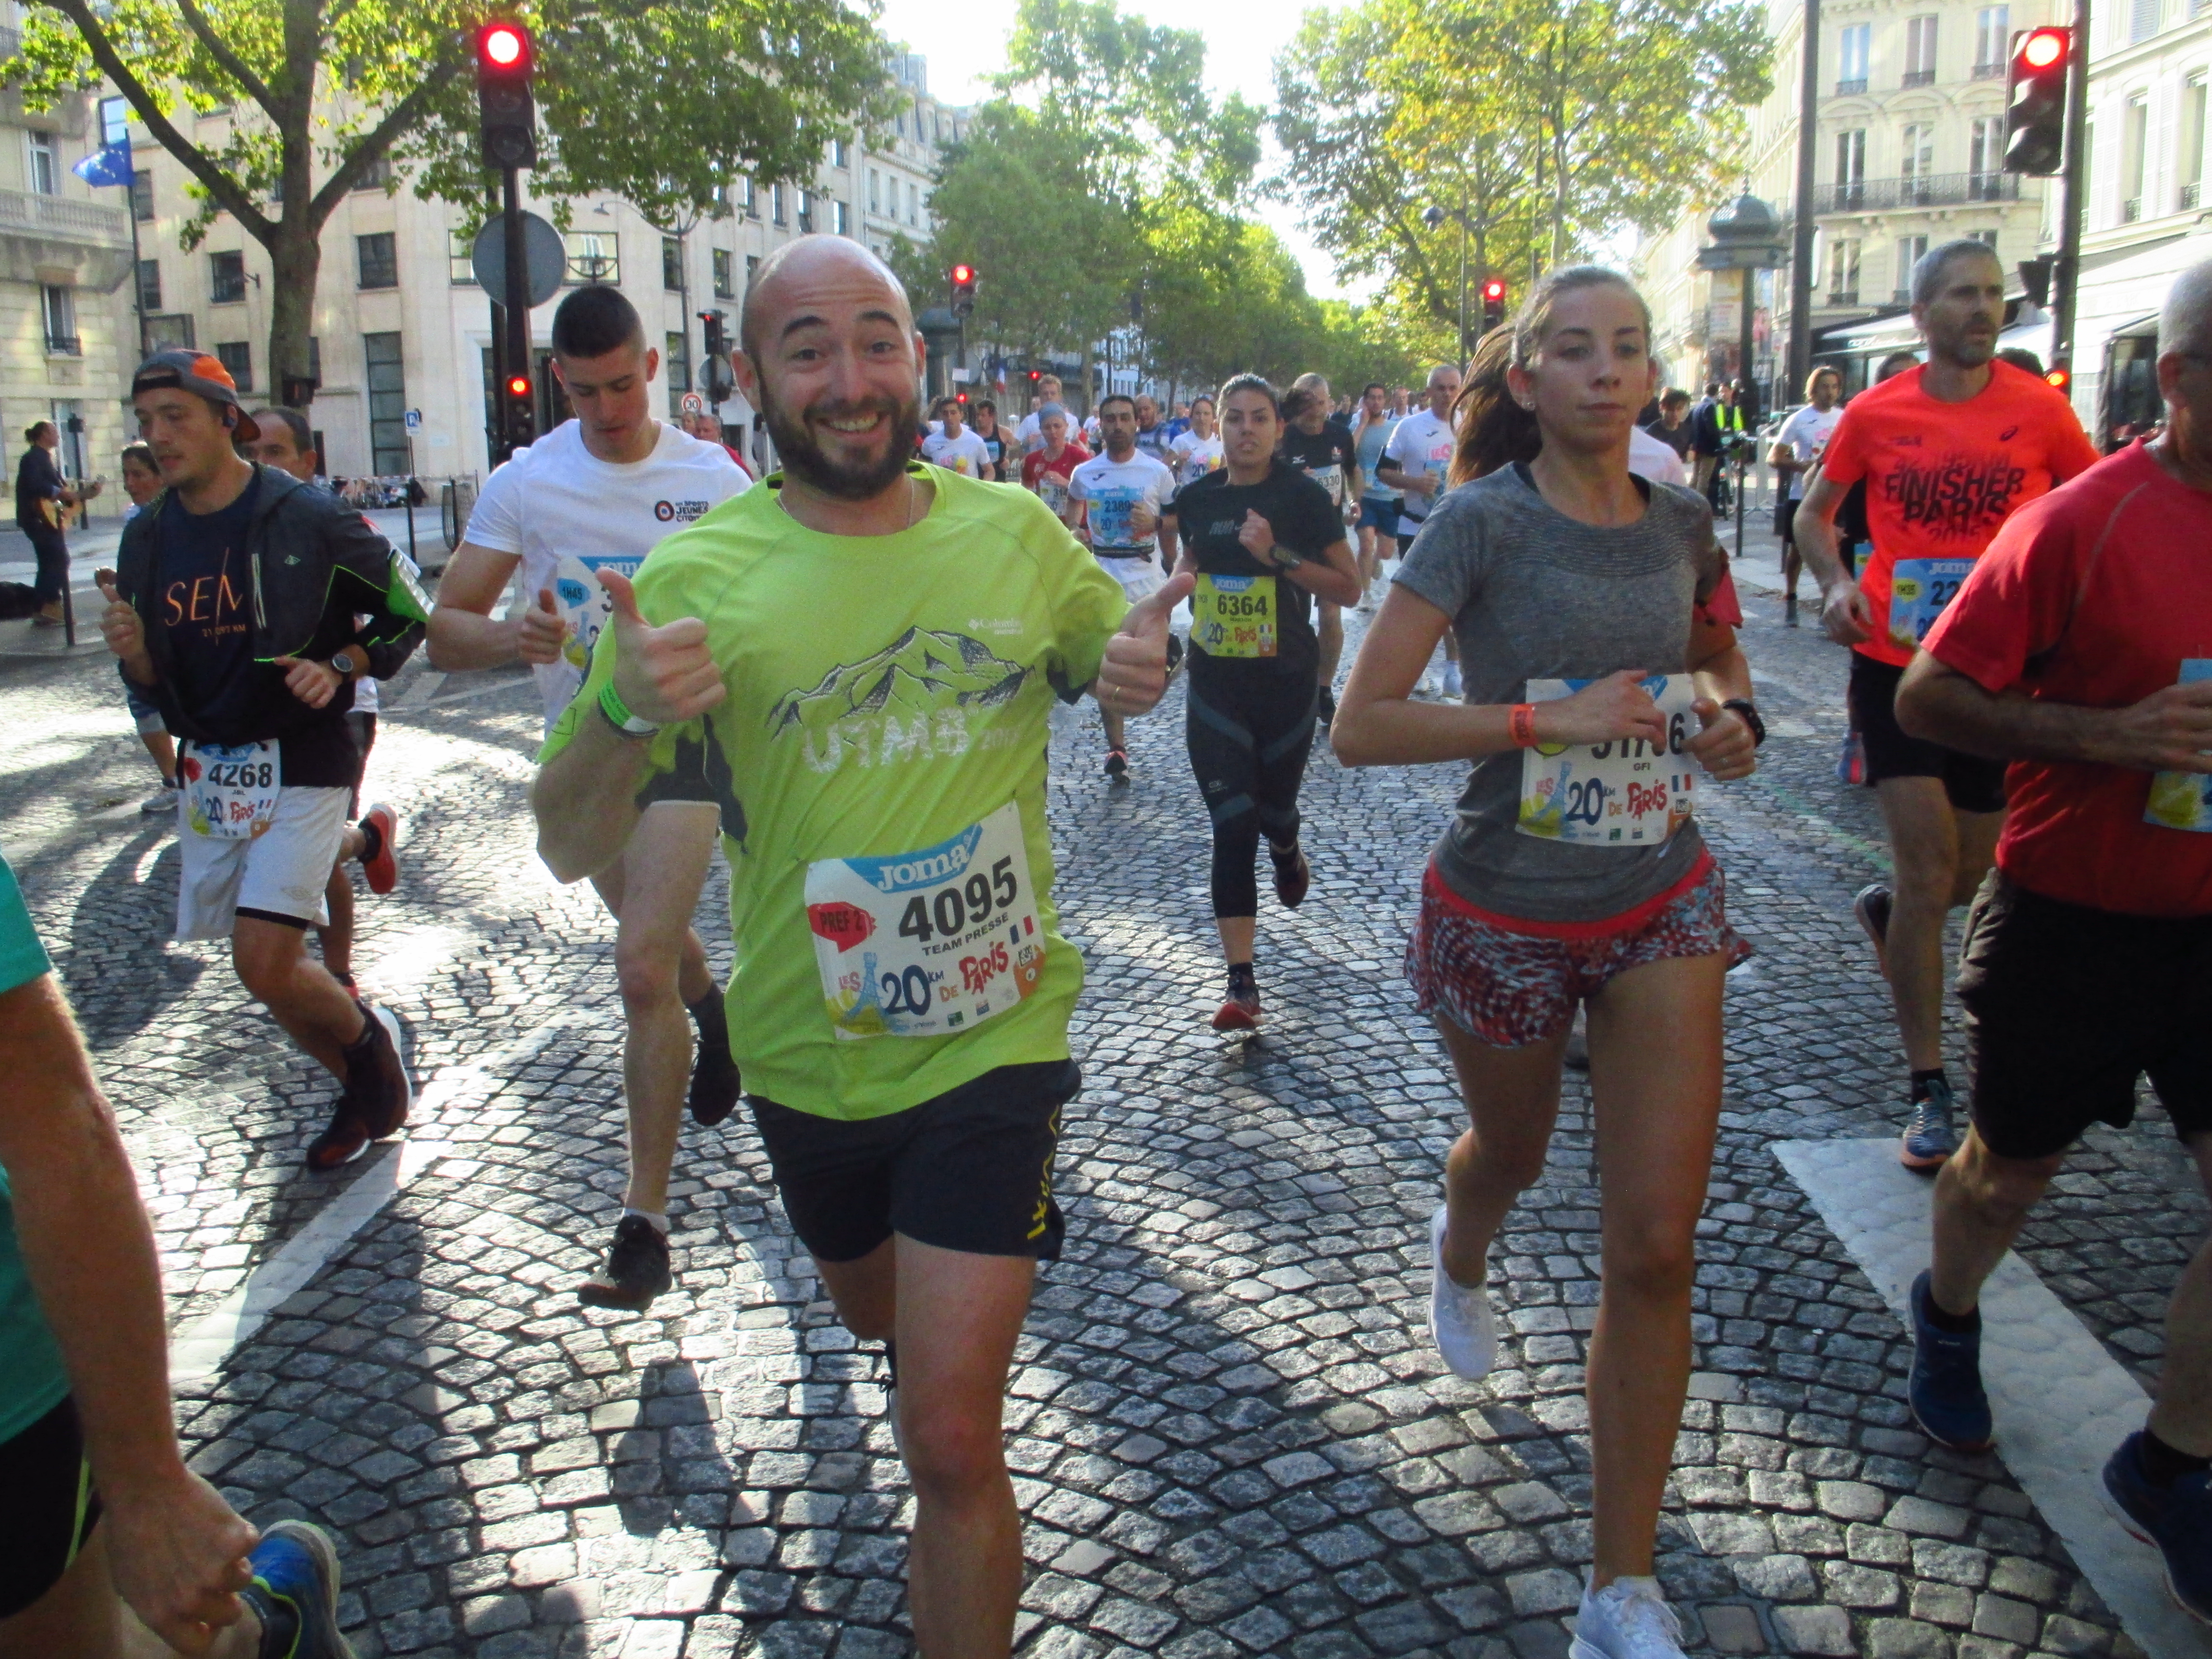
point(920, 672)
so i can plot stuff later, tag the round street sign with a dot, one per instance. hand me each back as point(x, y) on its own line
point(694, 404)
point(546, 260)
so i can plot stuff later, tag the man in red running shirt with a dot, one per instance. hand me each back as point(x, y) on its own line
point(2080, 649)
point(1047, 471)
point(1949, 450)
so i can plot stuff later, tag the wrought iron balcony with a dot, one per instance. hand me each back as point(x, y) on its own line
point(64, 346)
point(1850, 88)
point(1917, 78)
point(1843, 296)
point(2131, 210)
point(1925, 190)
point(1989, 71)
point(2190, 198)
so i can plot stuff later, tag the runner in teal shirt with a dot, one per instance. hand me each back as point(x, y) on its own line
point(32, 1380)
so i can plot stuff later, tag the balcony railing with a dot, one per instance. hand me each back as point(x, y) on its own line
point(1843, 296)
point(1989, 71)
point(64, 346)
point(2189, 197)
point(1917, 78)
point(1925, 189)
point(61, 215)
point(2131, 210)
point(1850, 88)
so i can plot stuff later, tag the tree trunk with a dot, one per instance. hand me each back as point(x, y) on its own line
point(296, 257)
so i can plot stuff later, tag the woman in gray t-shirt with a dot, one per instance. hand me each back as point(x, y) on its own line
point(1597, 686)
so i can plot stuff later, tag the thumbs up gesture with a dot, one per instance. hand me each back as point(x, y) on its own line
point(1134, 675)
point(542, 632)
point(121, 626)
point(663, 674)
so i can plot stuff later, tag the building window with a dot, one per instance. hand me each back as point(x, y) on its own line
point(377, 175)
point(806, 211)
point(114, 120)
point(671, 262)
point(2143, 19)
point(387, 404)
point(237, 359)
point(45, 173)
point(225, 278)
point(1851, 169)
point(677, 364)
point(843, 216)
point(875, 190)
point(2135, 157)
point(1843, 271)
point(142, 195)
point(1916, 161)
point(751, 198)
point(913, 204)
point(594, 256)
point(1992, 41)
point(753, 271)
point(163, 332)
point(1920, 51)
point(1910, 250)
point(2192, 141)
point(1852, 60)
point(775, 204)
point(1988, 239)
point(460, 257)
point(60, 305)
point(379, 257)
point(149, 286)
point(724, 284)
point(840, 155)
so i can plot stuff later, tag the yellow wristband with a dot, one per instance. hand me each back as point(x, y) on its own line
point(618, 714)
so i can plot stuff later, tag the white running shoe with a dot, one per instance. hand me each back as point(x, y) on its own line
point(1453, 684)
point(1427, 688)
point(1628, 1619)
point(1461, 1322)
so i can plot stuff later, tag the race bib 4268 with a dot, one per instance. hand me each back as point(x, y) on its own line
point(1631, 793)
point(929, 943)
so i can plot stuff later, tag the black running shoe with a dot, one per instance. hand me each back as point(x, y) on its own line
point(1117, 765)
point(1328, 706)
point(637, 1270)
point(1293, 876)
point(716, 1086)
point(1871, 907)
point(377, 1094)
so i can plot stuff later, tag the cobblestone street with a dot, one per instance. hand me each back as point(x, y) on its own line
point(1230, 1433)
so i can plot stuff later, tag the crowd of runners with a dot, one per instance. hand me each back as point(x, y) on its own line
point(2030, 688)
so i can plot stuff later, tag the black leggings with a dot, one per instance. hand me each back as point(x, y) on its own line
point(1249, 736)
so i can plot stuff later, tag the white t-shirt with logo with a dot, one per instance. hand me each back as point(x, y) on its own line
point(1649, 457)
point(1421, 445)
point(568, 514)
point(1807, 433)
point(1193, 457)
point(1108, 488)
point(967, 454)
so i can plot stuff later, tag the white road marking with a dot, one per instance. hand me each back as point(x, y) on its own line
point(2061, 1402)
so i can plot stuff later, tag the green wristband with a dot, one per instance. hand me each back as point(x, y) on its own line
point(618, 714)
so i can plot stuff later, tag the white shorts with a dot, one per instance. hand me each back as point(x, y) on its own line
point(1139, 577)
point(278, 874)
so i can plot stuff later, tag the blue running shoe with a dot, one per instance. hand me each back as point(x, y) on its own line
point(1929, 1139)
point(1946, 1386)
point(2178, 1519)
point(295, 1590)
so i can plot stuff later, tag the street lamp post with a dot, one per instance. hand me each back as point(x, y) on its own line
point(1434, 219)
point(1747, 237)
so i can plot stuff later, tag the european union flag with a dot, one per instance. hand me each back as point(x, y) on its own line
point(109, 165)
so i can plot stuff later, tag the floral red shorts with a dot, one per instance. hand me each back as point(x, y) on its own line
point(1511, 982)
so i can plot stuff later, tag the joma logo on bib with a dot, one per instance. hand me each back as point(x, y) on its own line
point(943, 864)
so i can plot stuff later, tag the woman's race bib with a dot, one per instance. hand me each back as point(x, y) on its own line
point(1919, 591)
point(1624, 794)
point(2183, 801)
point(1053, 491)
point(583, 604)
point(1234, 616)
point(230, 791)
point(930, 943)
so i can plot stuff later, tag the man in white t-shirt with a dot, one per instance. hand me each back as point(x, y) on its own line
point(596, 494)
point(1117, 506)
point(1653, 459)
point(953, 447)
point(1797, 448)
point(1415, 462)
point(1032, 436)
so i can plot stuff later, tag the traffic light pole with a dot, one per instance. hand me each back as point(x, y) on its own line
point(518, 310)
point(1801, 256)
point(2066, 269)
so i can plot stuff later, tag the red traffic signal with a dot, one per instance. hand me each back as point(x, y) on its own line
point(960, 397)
point(506, 114)
point(1493, 303)
point(504, 48)
point(2044, 48)
point(518, 386)
point(964, 290)
point(2060, 377)
point(2035, 101)
point(963, 274)
point(1493, 291)
point(1034, 376)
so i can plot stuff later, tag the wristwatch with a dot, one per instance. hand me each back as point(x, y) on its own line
point(1284, 559)
point(344, 664)
point(1743, 706)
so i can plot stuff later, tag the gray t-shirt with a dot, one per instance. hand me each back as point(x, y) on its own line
point(1533, 594)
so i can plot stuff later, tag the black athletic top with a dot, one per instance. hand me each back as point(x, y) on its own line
point(1209, 513)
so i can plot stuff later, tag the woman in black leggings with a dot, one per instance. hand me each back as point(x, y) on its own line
point(1264, 540)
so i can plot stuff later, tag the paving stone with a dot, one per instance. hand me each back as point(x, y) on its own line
point(1816, 1629)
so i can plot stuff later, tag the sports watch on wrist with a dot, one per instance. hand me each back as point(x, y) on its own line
point(344, 664)
point(1743, 706)
point(1283, 558)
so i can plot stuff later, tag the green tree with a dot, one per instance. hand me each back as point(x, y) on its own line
point(660, 102)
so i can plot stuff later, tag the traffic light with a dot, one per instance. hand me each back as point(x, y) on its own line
point(714, 370)
point(1036, 375)
point(1493, 303)
point(964, 290)
point(506, 114)
point(521, 415)
point(2060, 377)
point(2035, 101)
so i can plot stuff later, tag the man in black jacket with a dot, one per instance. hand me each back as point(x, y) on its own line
point(235, 604)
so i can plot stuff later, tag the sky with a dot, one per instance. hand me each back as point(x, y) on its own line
point(965, 42)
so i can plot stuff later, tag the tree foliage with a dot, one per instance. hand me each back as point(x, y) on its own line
point(1529, 126)
point(657, 101)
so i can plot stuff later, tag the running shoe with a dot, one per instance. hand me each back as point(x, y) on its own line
point(1454, 685)
point(1461, 1321)
point(1240, 1010)
point(1427, 688)
point(1327, 703)
point(1117, 765)
point(162, 801)
point(374, 1102)
point(1790, 611)
point(716, 1086)
point(295, 1592)
point(1293, 876)
point(383, 869)
point(637, 1270)
point(1945, 1388)
point(1628, 1619)
point(2178, 1519)
point(1871, 907)
point(1930, 1137)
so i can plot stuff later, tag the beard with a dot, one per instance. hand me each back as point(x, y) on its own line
point(805, 459)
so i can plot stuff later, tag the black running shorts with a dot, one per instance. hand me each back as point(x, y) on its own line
point(50, 1507)
point(1971, 783)
point(970, 1169)
point(2067, 1007)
